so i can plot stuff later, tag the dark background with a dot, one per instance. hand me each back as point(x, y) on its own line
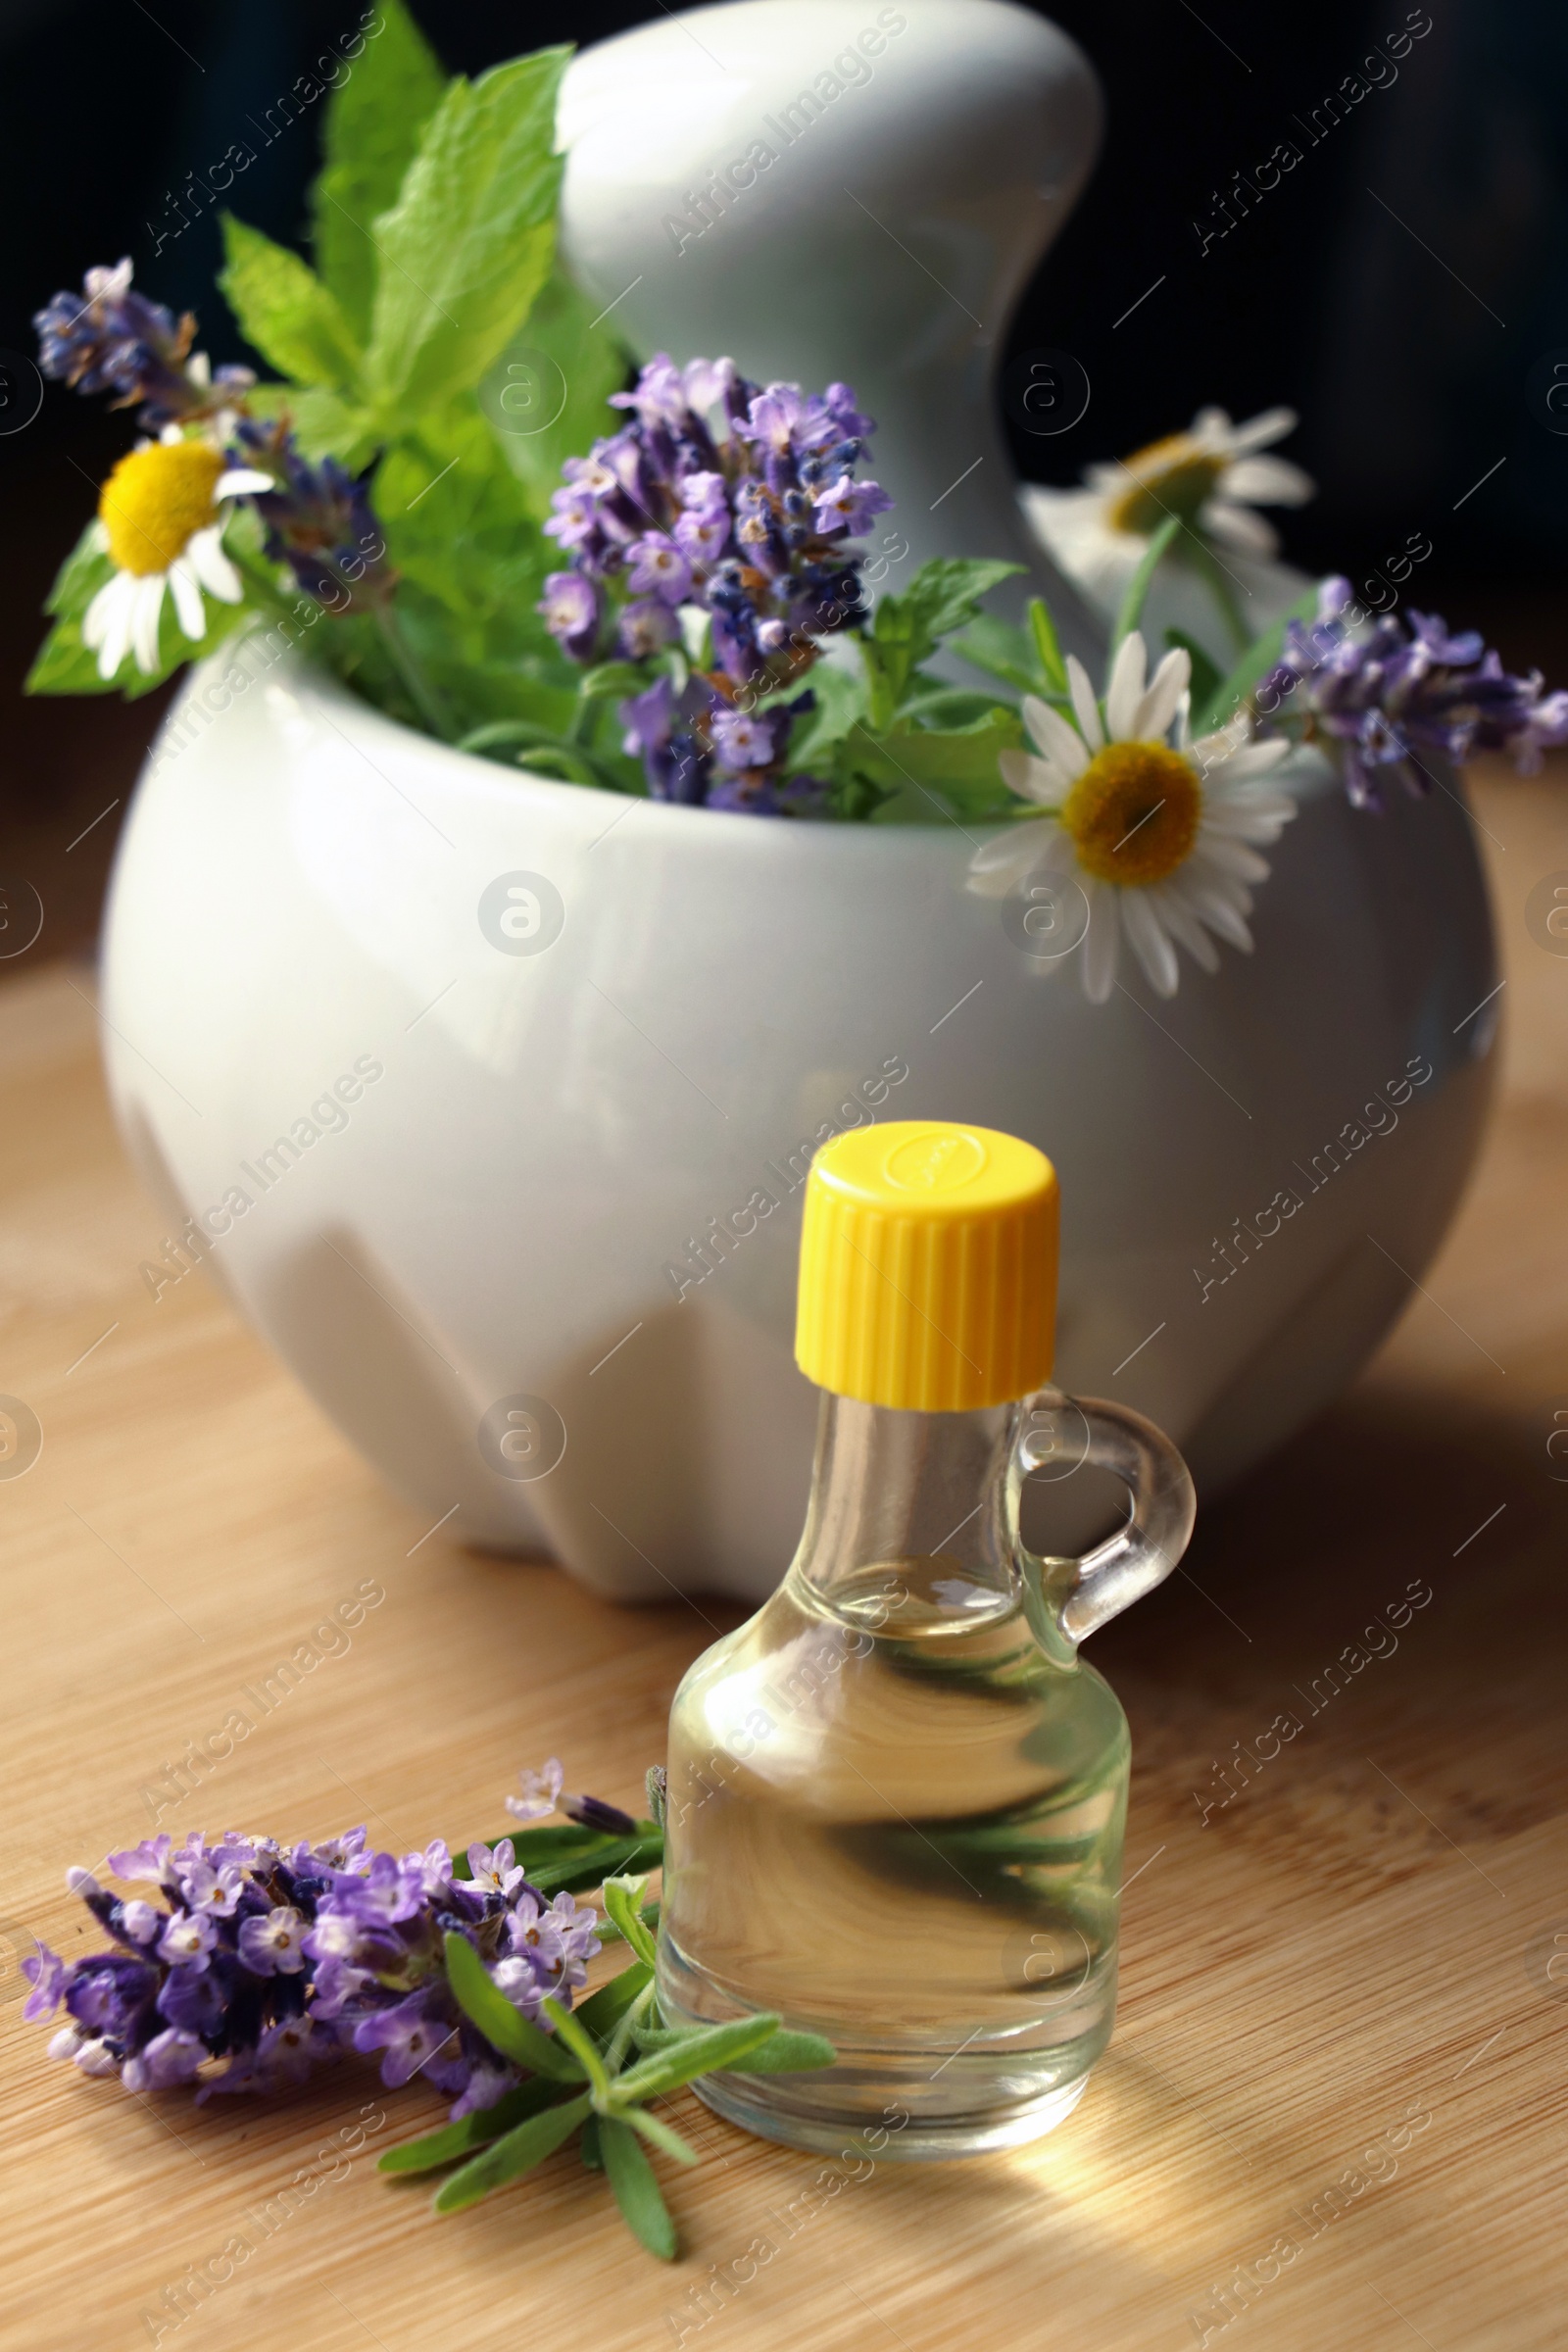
point(1397, 289)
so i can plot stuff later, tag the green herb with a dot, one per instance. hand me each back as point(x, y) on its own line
point(611, 2047)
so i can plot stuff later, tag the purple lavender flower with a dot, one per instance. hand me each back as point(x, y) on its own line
point(109, 339)
point(318, 519)
point(273, 1942)
point(275, 1960)
point(541, 1789)
point(644, 624)
point(570, 609)
point(171, 2056)
point(1390, 698)
point(738, 504)
point(46, 1971)
point(410, 2034)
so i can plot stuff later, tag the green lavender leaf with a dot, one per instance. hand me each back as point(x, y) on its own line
point(469, 242)
point(623, 1898)
point(1138, 587)
point(1258, 659)
point(661, 2134)
point(637, 2193)
point(602, 2012)
point(589, 2148)
point(512, 2035)
point(581, 1858)
point(700, 2052)
point(783, 2053)
point(570, 2033)
point(286, 312)
point(373, 122)
point(470, 2132)
point(515, 2153)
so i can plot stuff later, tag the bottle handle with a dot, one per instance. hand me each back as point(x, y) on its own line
point(1060, 1433)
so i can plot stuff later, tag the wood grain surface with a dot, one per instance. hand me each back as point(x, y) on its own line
point(1344, 2015)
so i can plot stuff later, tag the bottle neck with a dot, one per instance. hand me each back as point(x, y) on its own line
point(908, 1512)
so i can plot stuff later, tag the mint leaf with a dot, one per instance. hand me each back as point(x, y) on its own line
point(547, 393)
point(469, 2132)
point(512, 2035)
point(841, 706)
point(470, 241)
point(1002, 652)
point(637, 2193)
point(941, 597)
point(286, 311)
point(373, 122)
point(64, 665)
point(517, 2152)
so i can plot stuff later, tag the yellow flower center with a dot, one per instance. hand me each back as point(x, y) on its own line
point(1133, 813)
point(1173, 476)
point(157, 500)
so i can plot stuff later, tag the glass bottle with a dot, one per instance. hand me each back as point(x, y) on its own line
point(895, 1796)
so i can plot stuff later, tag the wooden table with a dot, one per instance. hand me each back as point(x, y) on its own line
point(1362, 1939)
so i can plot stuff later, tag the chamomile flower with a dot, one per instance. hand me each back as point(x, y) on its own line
point(1159, 833)
point(1214, 478)
point(159, 520)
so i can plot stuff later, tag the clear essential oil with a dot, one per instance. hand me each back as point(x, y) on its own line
point(895, 1796)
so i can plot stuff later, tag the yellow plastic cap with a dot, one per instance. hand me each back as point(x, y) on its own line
point(928, 1268)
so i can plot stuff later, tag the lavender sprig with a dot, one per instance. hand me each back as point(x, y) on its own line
point(1390, 697)
point(108, 338)
point(719, 521)
point(274, 1960)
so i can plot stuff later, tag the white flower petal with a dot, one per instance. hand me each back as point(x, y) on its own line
point(105, 624)
point(1239, 820)
point(189, 606)
point(1051, 735)
point(1230, 857)
point(1085, 704)
point(998, 865)
point(1247, 760)
point(1162, 697)
point(1238, 527)
point(146, 611)
point(1184, 926)
point(1272, 426)
point(1147, 940)
point(1124, 688)
point(1039, 780)
point(206, 557)
point(242, 479)
point(1221, 915)
point(98, 535)
point(1267, 483)
point(1214, 429)
point(1100, 939)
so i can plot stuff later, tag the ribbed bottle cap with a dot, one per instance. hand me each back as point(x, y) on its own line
point(928, 1268)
